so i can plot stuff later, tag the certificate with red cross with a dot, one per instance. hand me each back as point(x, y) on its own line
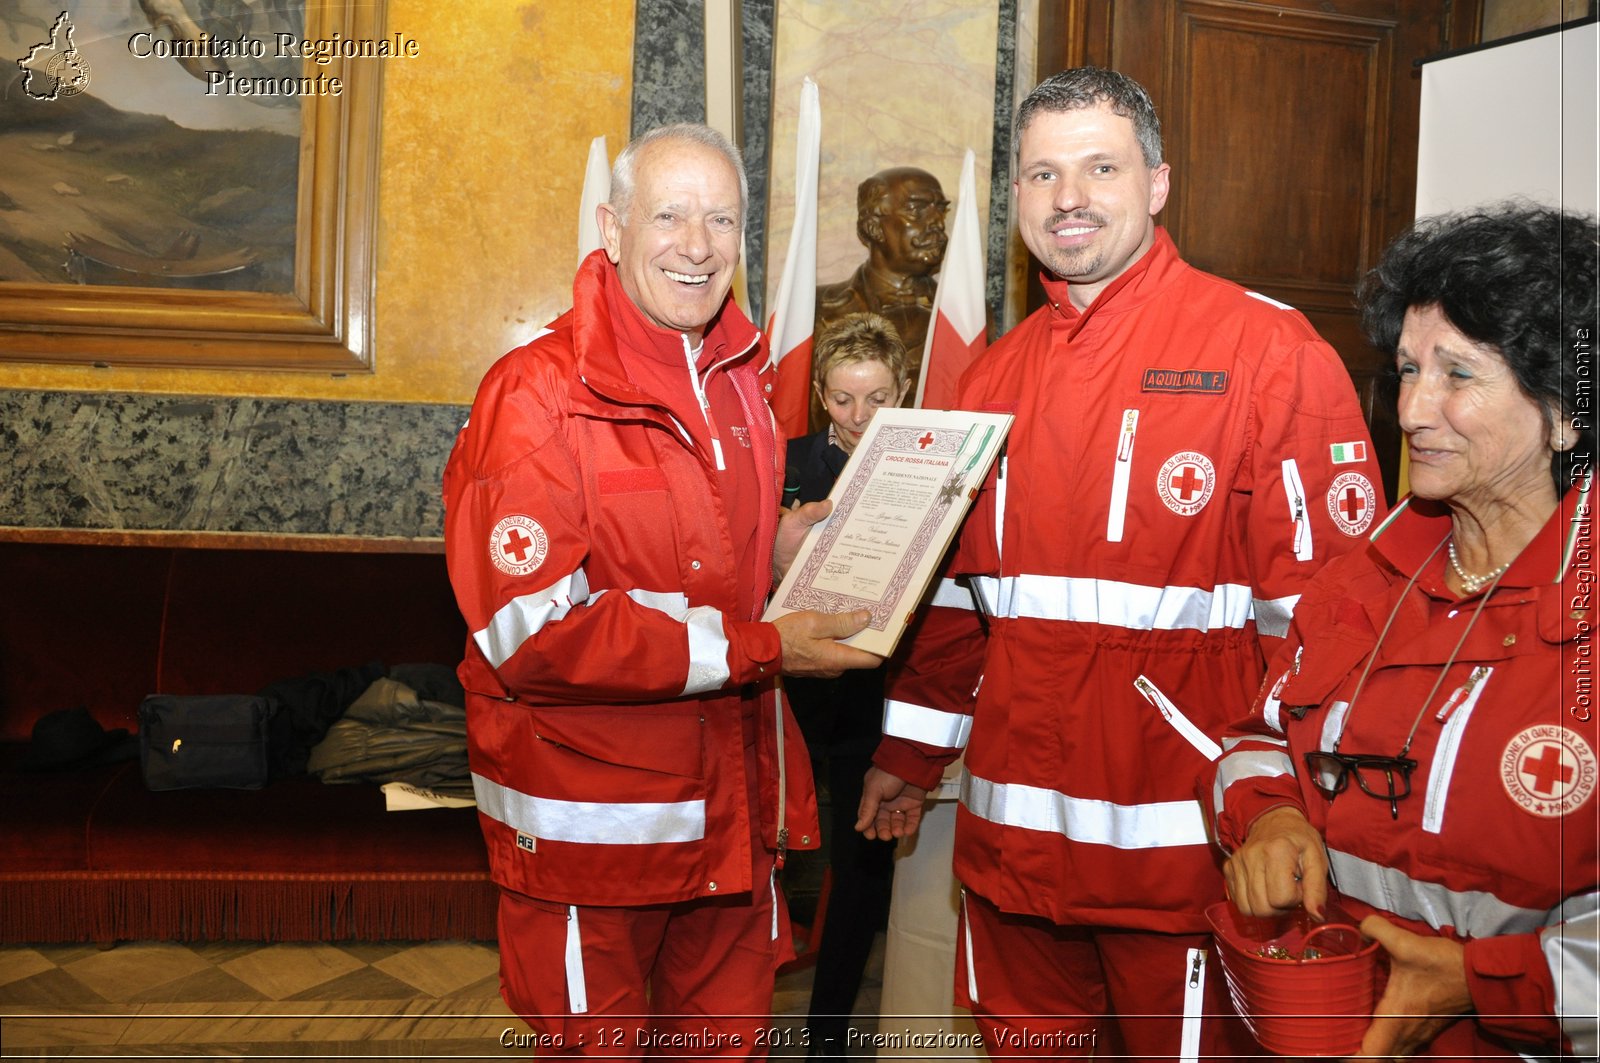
point(896, 507)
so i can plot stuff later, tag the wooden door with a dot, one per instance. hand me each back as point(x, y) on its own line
point(1291, 128)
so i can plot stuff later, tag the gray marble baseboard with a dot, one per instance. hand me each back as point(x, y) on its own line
point(197, 463)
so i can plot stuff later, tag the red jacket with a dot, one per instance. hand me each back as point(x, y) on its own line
point(1496, 845)
point(608, 663)
point(1170, 484)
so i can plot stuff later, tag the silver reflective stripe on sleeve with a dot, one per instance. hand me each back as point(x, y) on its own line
point(1126, 605)
point(525, 615)
point(591, 822)
point(949, 594)
point(1333, 725)
point(1237, 765)
point(1273, 614)
point(1156, 825)
point(577, 985)
point(1475, 913)
point(931, 727)
point(708, 650)
point(1572, 949)
point(707, 640)
point(1271, 708)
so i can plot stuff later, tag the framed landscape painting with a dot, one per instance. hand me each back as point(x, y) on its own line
point(189, 182)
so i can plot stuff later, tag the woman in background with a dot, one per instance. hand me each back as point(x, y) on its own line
point(1426, 741)
point(860, 365)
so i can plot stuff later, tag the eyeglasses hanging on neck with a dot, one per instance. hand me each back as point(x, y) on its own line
point(1382, 777)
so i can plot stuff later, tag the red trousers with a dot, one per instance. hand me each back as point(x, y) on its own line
point(1041, 990)
point(687, 979)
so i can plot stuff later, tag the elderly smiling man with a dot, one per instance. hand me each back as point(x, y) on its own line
point(612, 533)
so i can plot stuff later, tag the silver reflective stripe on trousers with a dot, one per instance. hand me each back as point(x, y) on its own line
point(577, 986)
point(932, 727)
point(525, 615)
point(591, 822)
point(1113, 604)
point(1475, 913)
point(1149, 826)
point(1572, 950)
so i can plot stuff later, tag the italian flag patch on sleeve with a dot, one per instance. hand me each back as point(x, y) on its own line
point(1345, 453)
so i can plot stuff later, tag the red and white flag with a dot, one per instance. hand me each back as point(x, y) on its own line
point(596, 190)
point(957, 333)
point(794, 312)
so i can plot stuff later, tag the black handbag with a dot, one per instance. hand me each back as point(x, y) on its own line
point(212, 740)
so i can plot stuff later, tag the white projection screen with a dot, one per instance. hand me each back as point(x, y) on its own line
point(1512, 119)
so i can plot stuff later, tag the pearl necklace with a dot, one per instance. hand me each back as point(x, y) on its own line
point(1470, 583)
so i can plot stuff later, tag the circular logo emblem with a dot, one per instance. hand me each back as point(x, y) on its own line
point(70, 71)
point(517, 545)
point(1186, 482)
point(1352, 503)
point(1548, 770)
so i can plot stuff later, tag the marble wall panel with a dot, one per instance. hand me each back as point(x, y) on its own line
point(757, 28)
point(223, 464)
point(669, 63)
point(669, 85)
point(901, 83)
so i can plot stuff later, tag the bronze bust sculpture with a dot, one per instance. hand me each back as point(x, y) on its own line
point(900, 216)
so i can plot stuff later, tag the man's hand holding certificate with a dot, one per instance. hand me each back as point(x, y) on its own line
point(896, 507)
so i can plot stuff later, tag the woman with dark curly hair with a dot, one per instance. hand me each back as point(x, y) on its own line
point(1426, 742)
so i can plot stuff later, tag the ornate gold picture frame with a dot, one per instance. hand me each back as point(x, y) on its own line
point(321, 322)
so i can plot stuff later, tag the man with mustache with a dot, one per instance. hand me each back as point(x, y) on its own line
point(1186, 454)
point(900, 216)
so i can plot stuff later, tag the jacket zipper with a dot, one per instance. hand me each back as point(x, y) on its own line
point(1180, 723)
point(1296, 492)
point(1455, 713)
point(1119, 476)
point(1194, 989)
point(705, 403)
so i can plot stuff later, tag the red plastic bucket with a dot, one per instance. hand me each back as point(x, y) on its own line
point(1294, 1006)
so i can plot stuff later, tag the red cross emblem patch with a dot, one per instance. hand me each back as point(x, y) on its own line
point(1352, 503)
point(517, 545)
point(1186, 482)
point(1548, 770)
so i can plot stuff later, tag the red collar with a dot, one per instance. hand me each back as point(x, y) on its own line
point(1137, 285)
point(1413, 532)
point(607, 328)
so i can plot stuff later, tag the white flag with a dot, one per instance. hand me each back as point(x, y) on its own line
point(596, 190)
point(794, 313)
point(957, 331)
